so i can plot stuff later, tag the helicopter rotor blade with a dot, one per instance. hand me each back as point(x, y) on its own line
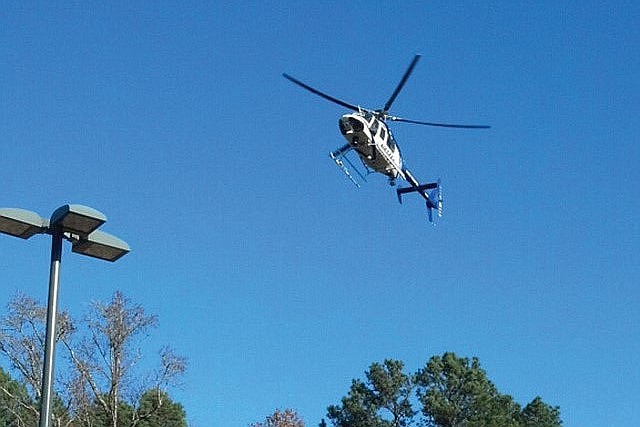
point(322, 94)
point(444, 125)
point(401, 84)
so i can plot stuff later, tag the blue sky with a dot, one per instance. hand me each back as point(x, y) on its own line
point(276, 277)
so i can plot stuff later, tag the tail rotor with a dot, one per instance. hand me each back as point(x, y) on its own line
point(436, 200)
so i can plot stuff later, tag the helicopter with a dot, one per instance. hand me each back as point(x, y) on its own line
point(368, 135)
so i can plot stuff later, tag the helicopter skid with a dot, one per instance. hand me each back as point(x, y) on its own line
point(339, 157)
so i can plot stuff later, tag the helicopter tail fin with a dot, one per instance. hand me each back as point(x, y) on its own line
point(435, 201)
point(431, 192)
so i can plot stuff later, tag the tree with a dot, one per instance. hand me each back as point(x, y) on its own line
point(16, 407)
point(98, 386)
point(539, 414)
point(384, 400)
point(22, 336)
point(358, 408)
point(157, 410)
point(286, 418)
point(452, 392)
point(456, 392)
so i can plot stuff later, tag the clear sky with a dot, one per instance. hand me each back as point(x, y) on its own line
point(276, 277)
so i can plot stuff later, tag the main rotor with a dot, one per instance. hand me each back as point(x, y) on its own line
point(383, 113)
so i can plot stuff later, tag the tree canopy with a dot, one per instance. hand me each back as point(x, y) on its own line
point(450, 391)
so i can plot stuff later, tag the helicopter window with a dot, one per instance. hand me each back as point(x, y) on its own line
point(391, 143)
point(374, 127)
point(383, 133)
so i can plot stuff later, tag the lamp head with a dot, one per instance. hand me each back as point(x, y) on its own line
point(78, 219)
point(101, 245)
point(21, 223)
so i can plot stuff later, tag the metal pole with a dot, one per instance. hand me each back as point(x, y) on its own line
point(50, 338)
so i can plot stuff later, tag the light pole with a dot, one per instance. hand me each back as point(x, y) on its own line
point(78, 224)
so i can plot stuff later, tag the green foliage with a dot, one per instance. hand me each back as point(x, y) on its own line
point(157, 410)
point(16, 407)
point(96, 416)
point(383, 401)
point(154, 409)
point(357, 409)
point(539, 414)
point(392, 390)
point(455, 391)
point(452, 392)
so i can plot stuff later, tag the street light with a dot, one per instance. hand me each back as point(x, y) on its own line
point(78, 224)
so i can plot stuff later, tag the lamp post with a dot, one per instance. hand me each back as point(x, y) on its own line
point(78, 224)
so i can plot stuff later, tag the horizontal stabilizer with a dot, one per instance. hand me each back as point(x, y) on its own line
point(418, 188)
point(432, 193)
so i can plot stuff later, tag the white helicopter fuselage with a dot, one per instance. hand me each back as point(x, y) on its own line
point(371, 139)
point(368, 135)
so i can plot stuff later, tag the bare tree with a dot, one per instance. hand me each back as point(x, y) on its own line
point(100, 377)
point(286, 418)
point(22, 332)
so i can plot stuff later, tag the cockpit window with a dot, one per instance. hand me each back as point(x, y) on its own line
point(374, 127)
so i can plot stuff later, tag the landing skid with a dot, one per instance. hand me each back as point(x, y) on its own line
point(340, 157)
